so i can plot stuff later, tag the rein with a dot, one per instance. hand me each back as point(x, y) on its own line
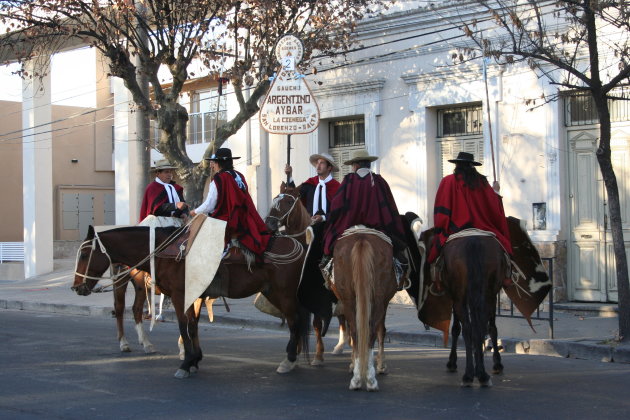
point(115, 278)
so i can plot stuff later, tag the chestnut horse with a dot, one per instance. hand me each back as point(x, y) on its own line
point(364, 282)
point(140, 281)
point(288, 211)
point(277, 280)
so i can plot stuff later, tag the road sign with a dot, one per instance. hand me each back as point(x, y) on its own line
point(289, 107)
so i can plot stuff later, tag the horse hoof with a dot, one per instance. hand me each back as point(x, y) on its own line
point(338, 350)
point(355, 384)
point(372, 386)
point(382, 370)
point(182, 374)
point(317, 362)
point(125, 349)
point(451, 368)
point(194, 370)
point(286, 366)
point(149, 349)
point(486, 384)
point(467, 382)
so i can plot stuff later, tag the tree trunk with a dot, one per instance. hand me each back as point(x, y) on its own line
point(614, 209)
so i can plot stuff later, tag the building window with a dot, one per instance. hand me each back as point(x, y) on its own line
point(345, 136)
point(347, 133)
point(460, 121)
point(460, 129)
point(208, 111)
point(580, 108)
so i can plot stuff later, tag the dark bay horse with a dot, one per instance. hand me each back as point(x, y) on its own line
point(288, 211)
point(364, 282)
point(531, 284)
point(277, 281)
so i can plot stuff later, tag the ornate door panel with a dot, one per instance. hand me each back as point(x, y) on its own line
point(591, 261)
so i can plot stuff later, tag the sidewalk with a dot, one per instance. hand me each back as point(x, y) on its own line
point(579, 330)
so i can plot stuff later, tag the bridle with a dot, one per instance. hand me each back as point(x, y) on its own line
point(115, 278)
point(276, 206)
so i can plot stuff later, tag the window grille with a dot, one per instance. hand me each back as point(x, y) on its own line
point(580, 107)
point(460, 121)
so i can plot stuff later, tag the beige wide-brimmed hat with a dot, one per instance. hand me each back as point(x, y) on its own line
point(359, 155)
point(162, 164)
point(326, 157)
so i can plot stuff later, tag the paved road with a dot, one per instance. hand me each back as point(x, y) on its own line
point(69, 367)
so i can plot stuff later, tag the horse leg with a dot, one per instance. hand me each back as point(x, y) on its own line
point(456, 330)
point(189, 335)
point(318, 360)
point(381, 367)
point(469, 375)
point(119, 311)
point(497, 367)
point(371, 383)
point(478, 340)
point(343, 335)
point(138, 307)
point(180, 340)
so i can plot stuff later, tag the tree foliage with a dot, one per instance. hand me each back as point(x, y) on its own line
point(580, 45)
point(233, 39)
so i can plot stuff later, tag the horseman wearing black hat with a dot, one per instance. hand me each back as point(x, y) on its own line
point(228, 199)
point(466, 200)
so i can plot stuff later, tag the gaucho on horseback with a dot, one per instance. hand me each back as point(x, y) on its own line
point(364, 198)
point(229, 200)
point(465, 200)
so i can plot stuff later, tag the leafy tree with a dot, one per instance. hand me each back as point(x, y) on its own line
point(581, 45)
point(233, 38)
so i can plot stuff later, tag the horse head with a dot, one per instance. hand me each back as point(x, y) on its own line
point(90, 264)
point(526, 256)
point(281, 207)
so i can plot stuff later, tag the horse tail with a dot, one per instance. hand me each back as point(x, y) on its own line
point(303, 329)
point(362, 257)
point(476, 287)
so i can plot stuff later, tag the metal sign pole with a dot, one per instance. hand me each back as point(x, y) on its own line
point(288, 155)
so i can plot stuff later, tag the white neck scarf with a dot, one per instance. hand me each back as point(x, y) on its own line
point(322, 185)
point(173, 197)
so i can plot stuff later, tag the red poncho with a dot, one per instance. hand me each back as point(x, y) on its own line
point(154, 196)
point(236, 207)
point(367, 201)
point(309, 188)
point(457, 207)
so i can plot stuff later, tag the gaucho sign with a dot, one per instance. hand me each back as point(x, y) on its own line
point(289, 107)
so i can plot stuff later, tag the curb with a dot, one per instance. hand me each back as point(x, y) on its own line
point(540, 347)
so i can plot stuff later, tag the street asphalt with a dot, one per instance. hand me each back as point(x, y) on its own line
point(580, 331)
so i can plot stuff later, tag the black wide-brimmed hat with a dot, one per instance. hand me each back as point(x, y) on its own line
point(223, 154)
point(465, 158)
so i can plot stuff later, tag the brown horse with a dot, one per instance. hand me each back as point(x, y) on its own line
point(288, 211)
point(277, 281)
point(531, 286)
point(364, 282)
point(474, 269)
point(138, 279)
point(141, 282)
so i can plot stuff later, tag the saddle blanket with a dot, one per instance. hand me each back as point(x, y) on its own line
point(203, 259)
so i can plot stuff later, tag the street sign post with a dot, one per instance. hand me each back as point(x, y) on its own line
point(289, 107)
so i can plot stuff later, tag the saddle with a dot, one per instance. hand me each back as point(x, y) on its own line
point(178, 249)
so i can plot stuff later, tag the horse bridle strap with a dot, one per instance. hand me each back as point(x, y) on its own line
point(286, 214)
